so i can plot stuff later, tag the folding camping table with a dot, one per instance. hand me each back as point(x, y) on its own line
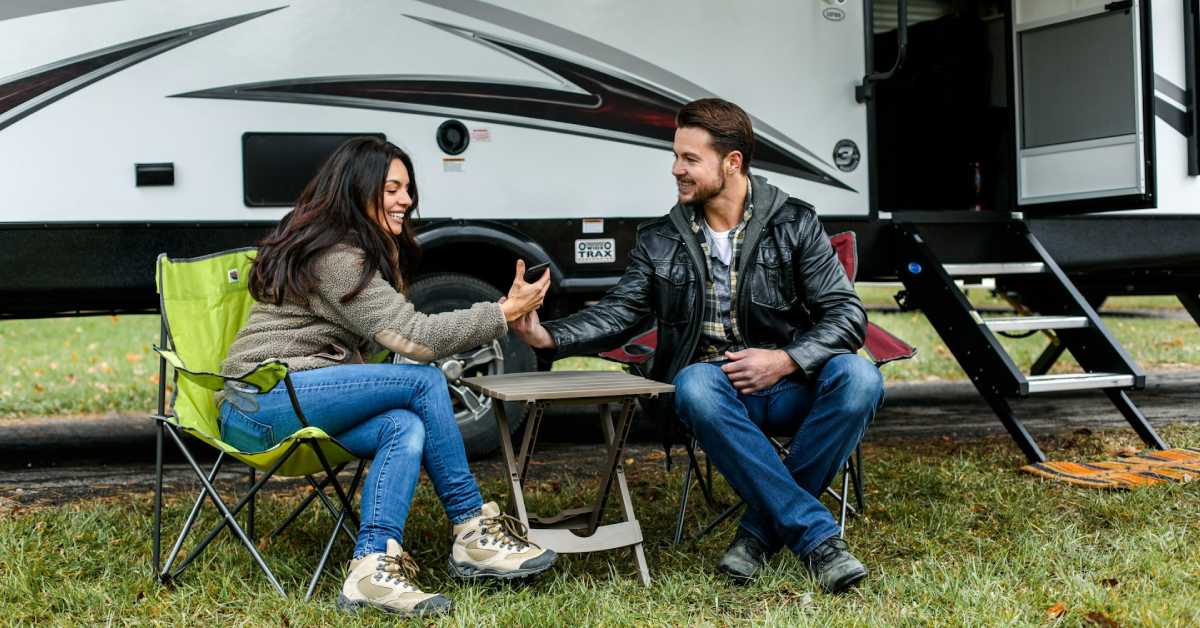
point(577, 529)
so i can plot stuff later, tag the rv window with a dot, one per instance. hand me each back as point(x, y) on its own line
point(277, 166)
point(1077, 81)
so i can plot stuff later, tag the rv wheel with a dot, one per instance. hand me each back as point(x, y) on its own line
point(444, 292)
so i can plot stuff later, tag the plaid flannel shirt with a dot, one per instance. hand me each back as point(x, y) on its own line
point(719, 330)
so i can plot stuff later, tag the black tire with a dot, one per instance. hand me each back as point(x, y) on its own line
point(443, 292)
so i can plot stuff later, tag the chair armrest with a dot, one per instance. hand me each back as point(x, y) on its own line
point(264, 376)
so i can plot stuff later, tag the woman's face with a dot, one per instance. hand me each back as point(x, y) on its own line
point(396, 201)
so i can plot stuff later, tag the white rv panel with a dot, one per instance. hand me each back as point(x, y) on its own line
point(790, 66)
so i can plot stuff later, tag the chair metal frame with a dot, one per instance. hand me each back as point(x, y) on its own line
point(167, 425)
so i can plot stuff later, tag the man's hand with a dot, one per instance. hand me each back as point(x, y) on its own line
point(753, 370)
point(529, 329)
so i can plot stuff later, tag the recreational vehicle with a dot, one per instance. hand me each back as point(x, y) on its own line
point(1048, 144)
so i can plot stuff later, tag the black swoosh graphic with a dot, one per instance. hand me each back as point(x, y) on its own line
point(617, 109)
point(27, 92)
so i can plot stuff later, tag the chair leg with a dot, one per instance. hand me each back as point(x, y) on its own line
point(705, 485)
point(190, 521)
point(229, 517)
point(156, 556)
point(845, 500)
point(250, 509)
point(308, 499)
point(857, 469)
point(337, 488)
point(683, 501)
point(332, 507)
point(729, 512)
point(337, 525)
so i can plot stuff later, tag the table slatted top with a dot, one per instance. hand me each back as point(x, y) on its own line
point(565, 385)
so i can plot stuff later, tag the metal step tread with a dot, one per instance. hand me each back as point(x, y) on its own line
point(989, 269)
point(1078, 381)
point(1028, 323)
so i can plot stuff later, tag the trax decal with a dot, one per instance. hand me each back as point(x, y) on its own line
point(582, 101)
point(24, 93)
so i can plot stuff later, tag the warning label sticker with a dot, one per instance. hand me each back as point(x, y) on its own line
point(596, 251)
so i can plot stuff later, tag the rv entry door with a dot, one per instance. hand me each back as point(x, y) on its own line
point(1083, 141)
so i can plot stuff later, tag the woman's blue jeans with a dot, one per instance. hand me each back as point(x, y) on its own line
point(398, 415)
point(826, 417)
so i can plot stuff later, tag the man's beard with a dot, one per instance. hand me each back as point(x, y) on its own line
point(703, 194)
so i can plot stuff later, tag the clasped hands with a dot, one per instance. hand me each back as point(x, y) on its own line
point(524, 298)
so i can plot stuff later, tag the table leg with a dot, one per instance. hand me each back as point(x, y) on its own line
point(510, 462)
point(615, 447)
point(639, 553)
point(533, 423)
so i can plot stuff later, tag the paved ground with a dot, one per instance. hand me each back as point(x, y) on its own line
point(52, 460)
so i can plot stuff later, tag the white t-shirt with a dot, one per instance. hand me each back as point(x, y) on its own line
point(720, 243)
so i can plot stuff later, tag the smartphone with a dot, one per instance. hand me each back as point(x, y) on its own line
point(533, 273)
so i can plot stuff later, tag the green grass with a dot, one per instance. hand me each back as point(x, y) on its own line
point(105, 364)
point(953, 535)
point(78, 365)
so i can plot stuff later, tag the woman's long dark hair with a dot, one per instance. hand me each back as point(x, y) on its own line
point(334, 209)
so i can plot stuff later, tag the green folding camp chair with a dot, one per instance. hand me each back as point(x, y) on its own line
point(204, 302)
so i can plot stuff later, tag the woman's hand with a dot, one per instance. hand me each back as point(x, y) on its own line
point(523, 297)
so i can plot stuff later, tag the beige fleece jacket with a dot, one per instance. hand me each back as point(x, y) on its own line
point(326, 331)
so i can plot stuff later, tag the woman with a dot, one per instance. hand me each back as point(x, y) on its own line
point(329, 284)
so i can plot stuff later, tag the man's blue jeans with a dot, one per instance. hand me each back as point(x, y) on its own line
point(827, 417)
point(398, 415)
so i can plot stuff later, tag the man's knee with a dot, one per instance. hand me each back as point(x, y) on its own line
point(696, 388)
point(858, 380)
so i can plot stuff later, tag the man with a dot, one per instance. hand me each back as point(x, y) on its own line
point(758, 330)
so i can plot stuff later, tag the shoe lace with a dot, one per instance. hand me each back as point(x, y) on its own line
point(826, 552)
point(511, 533)
point(399, 568)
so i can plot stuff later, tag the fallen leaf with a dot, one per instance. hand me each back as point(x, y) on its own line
point(39, 388)
point(134, 357)
point(1109, 582)
point(1056, 610)
point(1100, 619)
point(628, 461)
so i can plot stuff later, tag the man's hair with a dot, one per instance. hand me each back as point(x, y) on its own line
point(726, 122)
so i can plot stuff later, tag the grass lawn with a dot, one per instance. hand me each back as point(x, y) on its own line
point(953, 535)
point(105, 364)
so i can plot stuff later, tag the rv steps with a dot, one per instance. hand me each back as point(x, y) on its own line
point(1034, 323)
point(992, 270)
point(1078, 381)
point(1049, 301)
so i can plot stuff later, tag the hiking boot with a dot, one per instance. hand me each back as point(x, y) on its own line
point(383, 580)
point(834, 567)
point(744, 558)
point(495, 545)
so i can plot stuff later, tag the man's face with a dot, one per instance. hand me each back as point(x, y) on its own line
point(699, 171)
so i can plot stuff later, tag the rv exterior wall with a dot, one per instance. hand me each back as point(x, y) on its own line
point(787, 64)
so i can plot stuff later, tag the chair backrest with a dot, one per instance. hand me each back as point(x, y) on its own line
point(880, 345)
point(204, 302)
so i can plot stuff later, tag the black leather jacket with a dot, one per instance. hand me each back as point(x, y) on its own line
point(792, 293)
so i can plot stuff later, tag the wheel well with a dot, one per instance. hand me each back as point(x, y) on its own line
point(492, 264)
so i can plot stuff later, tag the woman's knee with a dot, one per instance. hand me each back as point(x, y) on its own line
point(426, 377)
point(403, 430)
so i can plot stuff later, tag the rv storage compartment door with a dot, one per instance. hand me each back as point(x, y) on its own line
point(1081, 131)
